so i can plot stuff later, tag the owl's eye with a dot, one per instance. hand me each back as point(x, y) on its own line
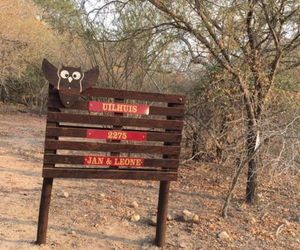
point(64, 74)
point(76, 75)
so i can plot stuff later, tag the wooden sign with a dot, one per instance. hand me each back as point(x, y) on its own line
point(116, 135)
point(92, 139)
point(138, 109)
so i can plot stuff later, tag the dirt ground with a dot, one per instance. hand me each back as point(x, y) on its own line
point(95, 214)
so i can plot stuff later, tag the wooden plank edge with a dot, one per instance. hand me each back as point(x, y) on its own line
point(108, 174)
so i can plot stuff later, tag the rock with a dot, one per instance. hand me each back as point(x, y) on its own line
point(152, 221)
point(169, 217)
point(259, 195)
point(223, 235)
point(135, 204)
point(196, 218)
point(73, 232)
point(190, 217)
point(135, 217)
point(187, 215)
point(102, 195)
point(182, 245)
point(286, 222)
point(66, 194)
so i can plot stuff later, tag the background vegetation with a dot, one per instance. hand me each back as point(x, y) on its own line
point(237, 61)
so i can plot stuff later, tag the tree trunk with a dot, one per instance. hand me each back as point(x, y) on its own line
point(195, 147)
point(251, 189)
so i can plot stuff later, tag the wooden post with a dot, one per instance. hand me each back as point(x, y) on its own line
point(162, 213)
point(44, 210)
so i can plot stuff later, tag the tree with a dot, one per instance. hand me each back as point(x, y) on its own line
point(251, 40)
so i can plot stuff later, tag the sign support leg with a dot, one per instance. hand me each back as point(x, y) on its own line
point(162, 213)
point(44, 210)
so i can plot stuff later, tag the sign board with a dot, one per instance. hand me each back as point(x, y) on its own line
point(127, 135)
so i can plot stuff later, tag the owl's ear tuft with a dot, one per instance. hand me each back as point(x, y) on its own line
point(50, 72)
point(90, 78)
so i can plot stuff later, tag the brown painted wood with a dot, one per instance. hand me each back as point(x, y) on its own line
point(79, 160)
point(117, 127)
point(162, 212)
point(111, 147)
point(81, 133)
point(163, 199)
point(154, 110)
point(108, 174)
point(44, 210)
point(113, 120)
point(134, 95)
point(131, 95)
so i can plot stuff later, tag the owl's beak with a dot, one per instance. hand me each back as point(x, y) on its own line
point(70, 79)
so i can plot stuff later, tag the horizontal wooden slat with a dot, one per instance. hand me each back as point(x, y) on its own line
point(177, 112)
point(79, 160)
point(134, 95)
point(81, 133)
point(113, 120)
point(111, 147)
point(108, 174)
point(154, 110)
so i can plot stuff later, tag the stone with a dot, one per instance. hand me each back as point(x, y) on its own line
point(187, 215)
point(182, 245)
point(135, 204)
point(223, 235)
point(169, 217)
point(102, 195)
point(66, 194)
point(190, 217)
point(286, 222)
point(152, 221)
point(135, 217)
point(196, 218)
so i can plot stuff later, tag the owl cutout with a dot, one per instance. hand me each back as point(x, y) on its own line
point(69, 81)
